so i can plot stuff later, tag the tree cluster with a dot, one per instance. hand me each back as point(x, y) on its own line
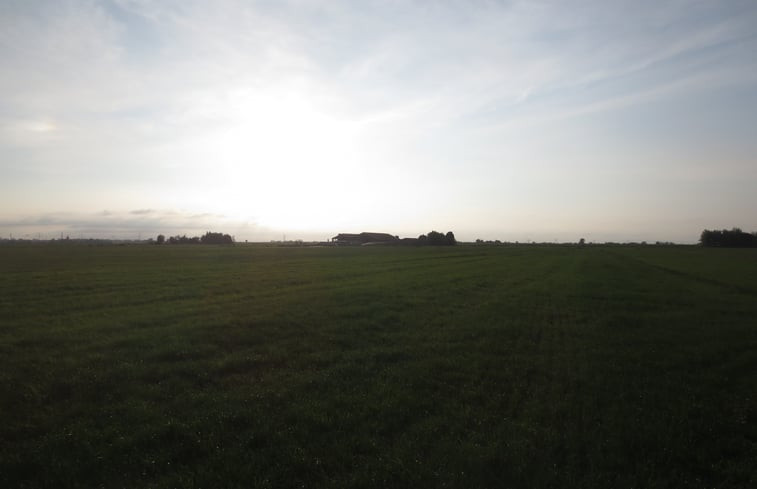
point(208, 238)
point(216, 238)
point(435, 238)
point(184, 239)
point(735, 238)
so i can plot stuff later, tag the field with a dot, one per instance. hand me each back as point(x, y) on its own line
point(250, 366)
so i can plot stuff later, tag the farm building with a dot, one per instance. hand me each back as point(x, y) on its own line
point(364, 239)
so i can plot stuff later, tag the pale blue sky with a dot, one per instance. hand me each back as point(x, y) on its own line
point(541, 120)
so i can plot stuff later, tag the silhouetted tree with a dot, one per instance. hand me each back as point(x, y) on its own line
point(435, 238)
point(216, 238)
point(183, 239)
point(735, 238)
point(161, 239)
point(208, 238)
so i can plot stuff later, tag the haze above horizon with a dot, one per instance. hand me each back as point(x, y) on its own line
point(523, 120)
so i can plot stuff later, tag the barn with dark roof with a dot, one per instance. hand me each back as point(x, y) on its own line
point(364, 239)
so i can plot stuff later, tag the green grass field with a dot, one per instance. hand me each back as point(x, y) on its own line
point(245, 366)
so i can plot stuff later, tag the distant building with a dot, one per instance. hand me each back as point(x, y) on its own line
point(409, 241)
point(350, 239)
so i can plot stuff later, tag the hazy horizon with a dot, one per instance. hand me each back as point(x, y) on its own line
point(523, 120)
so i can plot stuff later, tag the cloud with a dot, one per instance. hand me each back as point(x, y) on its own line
point(129, 225)
point(79, 65)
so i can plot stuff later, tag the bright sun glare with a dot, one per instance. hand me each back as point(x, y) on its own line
point(285, 164)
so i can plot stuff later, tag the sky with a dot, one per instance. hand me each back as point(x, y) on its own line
point(513, 120)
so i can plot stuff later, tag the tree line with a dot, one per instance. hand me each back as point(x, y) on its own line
point(435, 238)
point(208, 238)
point(734, 238)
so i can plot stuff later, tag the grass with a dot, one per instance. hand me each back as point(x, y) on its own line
point(202, 366)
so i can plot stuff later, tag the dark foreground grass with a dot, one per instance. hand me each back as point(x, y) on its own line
point(146, 366)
